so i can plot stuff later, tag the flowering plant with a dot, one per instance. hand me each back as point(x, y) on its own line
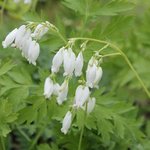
point(68, 105)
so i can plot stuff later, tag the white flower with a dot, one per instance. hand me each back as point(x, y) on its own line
point(91, 104)
point(91, 75)
point(19, 36)
point(33, 52)
point(69, 62)
point(66, 122)
point(81, 96)
point(57, 61)
point(9, 38)
point(48, 87)
point(25, 47)
point(99, 73)
point(62, 93)
point(79, 64)
point(40, 30)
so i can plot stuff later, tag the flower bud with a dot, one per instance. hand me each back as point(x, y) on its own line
point(57, 61)
point(62, 93)
point(66, 122)
point(48, 87)
point(79, 64)
point(9, 38)
point(69, 62)
point(39, 31)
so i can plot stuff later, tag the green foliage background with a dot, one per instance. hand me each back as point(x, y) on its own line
point(120, 120)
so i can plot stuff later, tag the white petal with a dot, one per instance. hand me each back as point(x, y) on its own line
point(69, 62)
point(57, 61)
point(33, 52)
point(79, 64)
point(81, 96)
point(19, 35)
point(91, 75)
point(66, 122)
point(78, 95)
point(9, 38)
point(63, 92)
point(48, 87)
point(99, 74)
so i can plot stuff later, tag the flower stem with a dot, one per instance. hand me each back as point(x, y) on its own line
point(82, 129)
point(109, 55)
point(123, 55)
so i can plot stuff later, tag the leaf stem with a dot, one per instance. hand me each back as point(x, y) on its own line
point(24, 134)
point(123, 55)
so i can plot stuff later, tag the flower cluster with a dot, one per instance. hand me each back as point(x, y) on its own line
point(26, 40)
point(25, 1)
point(73, 65)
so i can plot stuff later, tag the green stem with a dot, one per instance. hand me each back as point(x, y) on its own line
point(82, 130)
point(3, 143)
point(123, 55)
point(81, 137)
point(61, 36)
point(112, 54)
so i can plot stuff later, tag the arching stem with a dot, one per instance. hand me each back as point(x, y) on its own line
point(123, 55)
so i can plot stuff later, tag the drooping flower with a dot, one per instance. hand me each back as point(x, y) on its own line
point(69, 62)
point(19, 36)
point(57, 60)
point(91, 104)
point(48, 87)
point(79, 64)
point(93, 73)
point(62, 93)
point(99, 73)
point(33, 52)
point(81, 96)
point(9, 38)
point(66, 122)
point(40, 30)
